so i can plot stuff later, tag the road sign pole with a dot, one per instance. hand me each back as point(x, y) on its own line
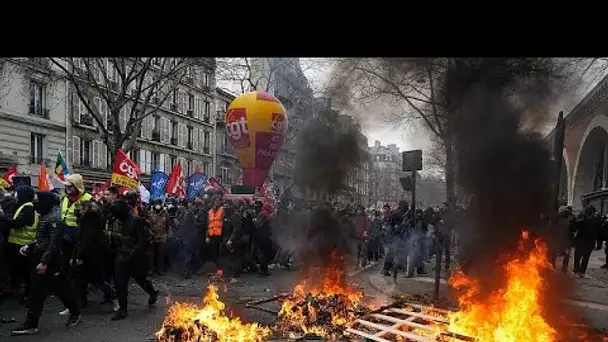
point(414, 174)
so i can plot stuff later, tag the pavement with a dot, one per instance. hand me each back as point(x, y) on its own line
point(591, 296)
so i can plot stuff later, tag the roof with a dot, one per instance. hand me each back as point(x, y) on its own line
point(225, 93)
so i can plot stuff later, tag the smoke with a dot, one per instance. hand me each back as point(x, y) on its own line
point(329, 148)
point(505, 166)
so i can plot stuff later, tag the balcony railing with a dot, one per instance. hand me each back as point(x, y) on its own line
point(156, 135)
point(174, 141)
point(206, 150)
point(39, 111)
point(86, 120)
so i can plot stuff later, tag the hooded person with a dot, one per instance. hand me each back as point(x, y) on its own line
point(131, 257)
point(22, 225)
point(48, 276)
point(70, 211)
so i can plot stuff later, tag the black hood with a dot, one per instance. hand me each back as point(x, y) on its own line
point(46, 202)
point(25, 194)
point(121, 210)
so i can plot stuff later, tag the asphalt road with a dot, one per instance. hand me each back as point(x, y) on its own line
point(143, 322)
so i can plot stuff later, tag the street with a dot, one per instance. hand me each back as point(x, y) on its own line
point(591, 298)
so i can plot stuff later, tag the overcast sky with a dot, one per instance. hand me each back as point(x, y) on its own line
point(415, 136)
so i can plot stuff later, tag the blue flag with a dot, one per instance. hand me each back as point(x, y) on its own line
point(196, 183)
point(158, 181)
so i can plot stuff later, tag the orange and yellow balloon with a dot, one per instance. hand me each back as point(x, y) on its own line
point(257, 125)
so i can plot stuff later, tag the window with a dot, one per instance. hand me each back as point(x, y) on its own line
point(206, 79)
point(156, 165)
point(181, 135)
point(99, 157)
point(174, 133)
point(226, 105)
point(190, 137)
point(157, 123)
point(206, 168)
point(191, 102)
point(206, 142)
point(36, 148)
point(167, 163)
point(174, 100)
point(191, 166)
point(174, 161)
point(207, 111)
point(85, 152)
point(145, 161)
point(37, 100)
point(225, 175)
point(157, 61)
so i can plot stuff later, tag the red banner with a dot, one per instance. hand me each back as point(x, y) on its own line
point(99, 188)
point(126, 172)
point(7, 180)
point(175, 184)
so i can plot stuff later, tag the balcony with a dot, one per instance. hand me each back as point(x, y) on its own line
point(86, 120)
point(190, 113)
point(174, 141)
point(156, 135)
point(206, 149)
point(189, 145)
point(206, 119)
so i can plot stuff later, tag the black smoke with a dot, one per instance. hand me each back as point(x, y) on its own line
point(328, 149)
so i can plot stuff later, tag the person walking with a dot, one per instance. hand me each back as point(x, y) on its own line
point(48, 276)
point(213, 238)
point(70, 212)
point(587, 228)
point(131, 257)
point(159, 220)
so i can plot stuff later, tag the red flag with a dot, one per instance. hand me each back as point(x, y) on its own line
point(7, 179)
point(125, 172)
point(44, 182)
point(99, 188)
point(175, 184)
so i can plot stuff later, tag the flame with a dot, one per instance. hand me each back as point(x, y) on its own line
point(188, 322)
point(512, 313)
point(323, 309)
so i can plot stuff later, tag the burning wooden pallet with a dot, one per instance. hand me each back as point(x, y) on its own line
point(410, 322)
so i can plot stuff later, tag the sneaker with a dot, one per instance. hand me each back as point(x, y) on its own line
point(25, 329)
point(120, 314)
point(73, 320)
point(153, 299)
point(234, 280)
point(64, 312)
point(116, 306)
point(584, 276)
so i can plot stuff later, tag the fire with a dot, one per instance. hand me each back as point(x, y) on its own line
point(512, 313)
point(188, 323)
point(323, 309)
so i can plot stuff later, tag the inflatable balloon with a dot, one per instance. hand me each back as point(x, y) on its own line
point(256, 124)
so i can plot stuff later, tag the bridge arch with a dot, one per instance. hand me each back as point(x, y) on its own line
point(590, 159)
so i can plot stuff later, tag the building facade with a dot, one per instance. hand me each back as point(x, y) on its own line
point(33, 112)
point(385, 174)
point(182, 130)
point(228, 170)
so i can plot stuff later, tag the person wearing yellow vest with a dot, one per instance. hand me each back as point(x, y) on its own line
point(22, 224)
point(213, 239)
point(70, 211)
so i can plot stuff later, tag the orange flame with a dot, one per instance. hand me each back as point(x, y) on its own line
point(512, 313)
point(209, 322)
point(321, 309)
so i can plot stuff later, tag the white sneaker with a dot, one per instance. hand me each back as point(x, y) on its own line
point(116, 307)
point(65, 312)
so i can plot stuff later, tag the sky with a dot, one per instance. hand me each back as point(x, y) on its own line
point(414, 136)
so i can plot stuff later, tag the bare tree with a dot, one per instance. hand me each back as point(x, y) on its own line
point(138, 86)
point(431, 89)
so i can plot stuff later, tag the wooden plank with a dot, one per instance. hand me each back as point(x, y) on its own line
point(407, 322)
point(417, 314)
point(396, 325)
point(366, 335)
point(384, 332)
point(394, 331)
point(430, 308)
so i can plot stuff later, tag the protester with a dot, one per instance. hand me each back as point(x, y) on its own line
point(586, 228)
point(131, 257)
point(22, 227)
point(70, 211)
point(160, 227)
point(48, 276)
point(213, 237)
point(362, 227)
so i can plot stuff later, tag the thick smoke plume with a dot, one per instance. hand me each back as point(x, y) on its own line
point(329, 148)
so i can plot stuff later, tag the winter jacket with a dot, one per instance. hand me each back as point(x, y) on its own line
point(362, 227)
point(159, 221)
point(90, 241)
point(47, 246)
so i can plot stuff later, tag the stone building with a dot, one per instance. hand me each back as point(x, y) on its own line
point(33, 114)
point(182, 130)
point(384, 179)
point(228, 170)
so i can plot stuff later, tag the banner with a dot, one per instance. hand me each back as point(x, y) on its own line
point(99, 188)
point(158, 182)
point(44, 182)
point(175, 184)
point(195, 184)
point(61, 168)
point(144, 194)
point(214, 185)
point(126, 172)
point(7, 180)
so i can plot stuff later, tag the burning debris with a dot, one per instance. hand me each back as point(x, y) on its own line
point(323, 308)
point(188, 323)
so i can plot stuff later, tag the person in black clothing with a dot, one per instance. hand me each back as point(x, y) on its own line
point(48, 275)
point(8, 204)
point(392, 224)
point(131, 258)
point(236, 239)
point(262, 238)
point(587, 228)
